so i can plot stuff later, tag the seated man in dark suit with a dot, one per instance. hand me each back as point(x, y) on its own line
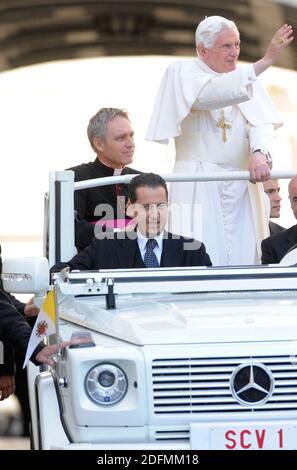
point(149, 245)
point(275, 247)
point(111, 137)
point(272, 189)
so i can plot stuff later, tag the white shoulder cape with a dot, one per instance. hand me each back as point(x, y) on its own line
point(180, 86)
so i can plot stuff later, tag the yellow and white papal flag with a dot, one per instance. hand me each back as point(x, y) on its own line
point(44, 325)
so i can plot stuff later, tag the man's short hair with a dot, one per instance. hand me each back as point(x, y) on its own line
point(145, 179)
point(209, 28)
point(97, 127)
point(292, 185)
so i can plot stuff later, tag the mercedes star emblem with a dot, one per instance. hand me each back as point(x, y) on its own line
point(252, 384)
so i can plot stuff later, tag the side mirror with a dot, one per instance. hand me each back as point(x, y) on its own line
point(25, 275)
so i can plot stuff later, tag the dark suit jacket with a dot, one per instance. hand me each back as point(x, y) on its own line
point(124, 253)
point(8, 367)
point(275, 247)
point(13, 327)
point(275, 228)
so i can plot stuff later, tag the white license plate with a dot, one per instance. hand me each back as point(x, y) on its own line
point(244, 436)
point(253, 437)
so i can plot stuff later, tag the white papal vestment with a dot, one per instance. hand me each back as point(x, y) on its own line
point(229, 217)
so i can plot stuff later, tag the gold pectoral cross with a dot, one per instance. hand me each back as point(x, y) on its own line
point(222, 124)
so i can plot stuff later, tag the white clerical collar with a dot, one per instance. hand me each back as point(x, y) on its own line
point(117, 171)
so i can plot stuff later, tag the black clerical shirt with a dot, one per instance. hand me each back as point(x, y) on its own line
point(86, 200)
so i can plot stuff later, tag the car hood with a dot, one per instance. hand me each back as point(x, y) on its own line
point(188, 318)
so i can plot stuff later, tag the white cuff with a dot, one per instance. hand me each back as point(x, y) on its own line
point(248, 75)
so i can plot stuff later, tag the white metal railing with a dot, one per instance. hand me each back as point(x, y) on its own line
point(65, 246)
point(183, 177)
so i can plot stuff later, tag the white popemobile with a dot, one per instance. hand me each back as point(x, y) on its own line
point(182, 358)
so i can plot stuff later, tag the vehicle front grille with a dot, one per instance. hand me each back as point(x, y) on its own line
point(202, 385)
point(180, 434)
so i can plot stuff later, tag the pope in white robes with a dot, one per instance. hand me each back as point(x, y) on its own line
point(222, 119)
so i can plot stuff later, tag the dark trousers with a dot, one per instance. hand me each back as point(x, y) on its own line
point(21, 391)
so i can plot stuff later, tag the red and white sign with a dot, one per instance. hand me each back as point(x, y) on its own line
point(246, 437)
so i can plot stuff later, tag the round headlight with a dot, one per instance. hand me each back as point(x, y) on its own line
point(106, 384)
point(106, 378)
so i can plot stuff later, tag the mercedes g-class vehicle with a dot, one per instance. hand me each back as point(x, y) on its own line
point(179, 358)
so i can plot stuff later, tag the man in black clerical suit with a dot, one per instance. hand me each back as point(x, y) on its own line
point(274, 248)
point(111, 137)
point(149, 245)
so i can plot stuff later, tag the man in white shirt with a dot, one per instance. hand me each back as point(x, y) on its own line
point(274, 248)
point(272, 189)
point(222, 120)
